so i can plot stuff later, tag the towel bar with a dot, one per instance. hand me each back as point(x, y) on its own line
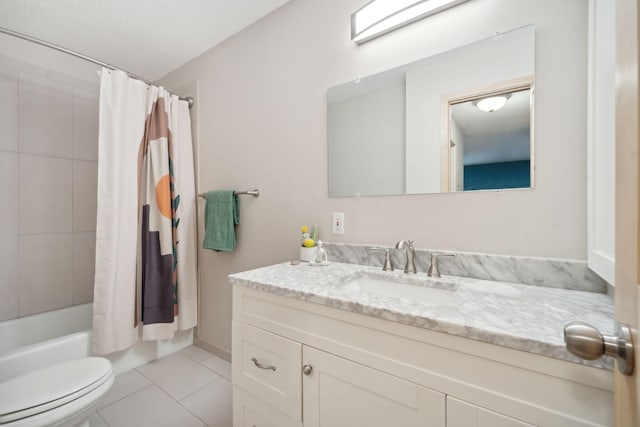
point(254, 193)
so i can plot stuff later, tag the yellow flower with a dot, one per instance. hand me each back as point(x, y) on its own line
point(308, 243)
point(304, 229)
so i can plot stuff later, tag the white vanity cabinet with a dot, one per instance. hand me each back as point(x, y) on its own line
point(337, 392)
point(297, 363)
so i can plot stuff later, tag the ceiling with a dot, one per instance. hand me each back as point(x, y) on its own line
point(149, 38)
point(500, 136)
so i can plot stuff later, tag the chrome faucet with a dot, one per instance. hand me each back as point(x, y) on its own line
point(407, 245)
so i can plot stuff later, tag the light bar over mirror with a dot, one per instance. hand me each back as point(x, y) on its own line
point(379, 17)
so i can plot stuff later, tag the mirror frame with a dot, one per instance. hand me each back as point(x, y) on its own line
point(447, 100)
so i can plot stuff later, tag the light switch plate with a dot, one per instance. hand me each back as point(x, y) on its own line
point(338, 223)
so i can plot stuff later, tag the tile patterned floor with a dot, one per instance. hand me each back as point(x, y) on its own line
point(191, 387)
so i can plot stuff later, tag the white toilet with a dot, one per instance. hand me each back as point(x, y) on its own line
point(63, 394)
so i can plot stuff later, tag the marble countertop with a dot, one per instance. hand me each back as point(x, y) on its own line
point(522, 317)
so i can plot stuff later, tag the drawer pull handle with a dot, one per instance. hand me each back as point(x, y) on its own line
point(261, 366)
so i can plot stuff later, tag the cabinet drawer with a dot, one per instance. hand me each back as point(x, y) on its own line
point(249, 411)
point(269, 366)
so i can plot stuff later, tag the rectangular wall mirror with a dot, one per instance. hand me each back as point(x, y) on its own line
point(424, 128)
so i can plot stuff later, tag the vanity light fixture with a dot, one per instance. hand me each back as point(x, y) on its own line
point(379, 17)
point(492, 103)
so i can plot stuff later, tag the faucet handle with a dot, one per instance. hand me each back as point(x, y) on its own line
point(433, 269)
point(388, 265)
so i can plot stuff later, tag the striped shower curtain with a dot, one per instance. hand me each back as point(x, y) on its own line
point(145, 283)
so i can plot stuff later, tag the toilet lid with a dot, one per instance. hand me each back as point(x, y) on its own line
point(47, 388)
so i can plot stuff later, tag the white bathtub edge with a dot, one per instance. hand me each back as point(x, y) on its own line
point(78, 344)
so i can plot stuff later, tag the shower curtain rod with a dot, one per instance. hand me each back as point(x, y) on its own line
point(81, 56)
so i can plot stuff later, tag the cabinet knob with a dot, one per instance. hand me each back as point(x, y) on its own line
point(307, 369)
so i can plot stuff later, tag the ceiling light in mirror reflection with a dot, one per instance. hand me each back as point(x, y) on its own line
point(492, 103)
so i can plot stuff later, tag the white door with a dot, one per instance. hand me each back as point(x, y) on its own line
point(627, 401)
point(341, 393)
point(627, 210)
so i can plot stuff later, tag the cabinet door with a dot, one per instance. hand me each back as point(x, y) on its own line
point(342, 393)
point(464, 414)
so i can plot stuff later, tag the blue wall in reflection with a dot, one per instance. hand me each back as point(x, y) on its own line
point(493, 176)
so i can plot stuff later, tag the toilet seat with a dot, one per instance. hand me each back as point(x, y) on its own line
point(46, 389)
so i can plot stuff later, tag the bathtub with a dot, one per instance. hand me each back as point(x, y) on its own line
point(32, 342)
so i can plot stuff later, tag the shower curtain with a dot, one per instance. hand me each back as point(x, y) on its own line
point(145, 281)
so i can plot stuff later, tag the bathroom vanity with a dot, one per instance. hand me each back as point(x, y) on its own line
point(330, 346)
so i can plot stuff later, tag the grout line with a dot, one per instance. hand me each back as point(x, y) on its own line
point(213, 370)
point(201, 388)
point(125, 397)
point(102, 418)
point(178, 402)
point(189, 411)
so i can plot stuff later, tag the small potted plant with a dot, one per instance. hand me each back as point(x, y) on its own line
point(308, 246)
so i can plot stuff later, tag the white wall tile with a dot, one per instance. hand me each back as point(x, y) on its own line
point(84, 261)
point(9, 294)
point(85, 124)
point(9, 289)
point(45, 188)
point(46, 119)
point(85, 193)
point(8, 109)
point(8, 193)
point(45, 272)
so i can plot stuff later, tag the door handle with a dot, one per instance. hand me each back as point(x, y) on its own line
point(586, 342)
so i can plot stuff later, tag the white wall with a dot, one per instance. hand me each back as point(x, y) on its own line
point(262, 111)
point(368, 127)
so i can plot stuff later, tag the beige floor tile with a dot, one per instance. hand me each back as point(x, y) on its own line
point(95, 420)
point(213, 404)
point(149, 407)
point(178, 375)
point(196, 353)
point(219, 366)
point(125, 384)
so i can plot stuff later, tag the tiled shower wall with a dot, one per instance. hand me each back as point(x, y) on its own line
point(48, 174)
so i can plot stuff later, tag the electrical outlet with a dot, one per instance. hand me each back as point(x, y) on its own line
point(338, 223)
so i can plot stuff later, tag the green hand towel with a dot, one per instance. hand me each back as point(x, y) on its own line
point(221, 215)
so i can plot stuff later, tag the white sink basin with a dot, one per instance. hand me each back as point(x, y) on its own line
point(390, 288)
